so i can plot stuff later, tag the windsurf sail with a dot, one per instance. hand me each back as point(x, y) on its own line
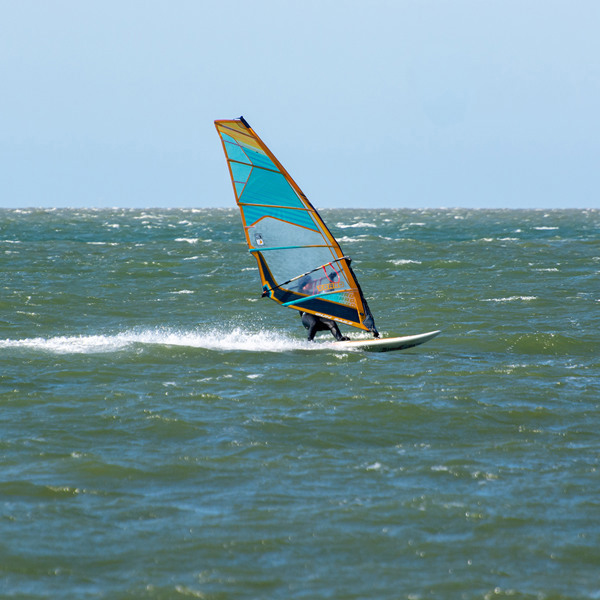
point(300, 263)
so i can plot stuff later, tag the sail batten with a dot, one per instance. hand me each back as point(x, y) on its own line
point(287, 248)
point(272, 206)
point(305, 299)
point(300, 263)
point(239, 162)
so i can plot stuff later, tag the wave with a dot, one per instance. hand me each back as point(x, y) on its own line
point(510, 299)
point(354, 225)
point(210, 339)
point(405, 261)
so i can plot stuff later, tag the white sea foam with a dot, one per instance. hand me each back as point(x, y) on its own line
point(510, 299)
point(361, 224)
point(146, 215)
point(405, 261)
point(210, 339)
point(440, 468)
point(376, 466)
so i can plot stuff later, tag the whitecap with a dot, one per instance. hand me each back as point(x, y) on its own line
point(405, 261)
point(146, 215)
point(353, 225)
point(510, 299)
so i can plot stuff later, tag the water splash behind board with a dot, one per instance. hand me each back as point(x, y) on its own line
point(209, 339)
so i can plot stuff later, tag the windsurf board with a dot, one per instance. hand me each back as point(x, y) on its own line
point(387, 344)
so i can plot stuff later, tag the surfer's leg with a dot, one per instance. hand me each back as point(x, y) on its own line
point(335, 330)
point(311, 333)
point(312, 324)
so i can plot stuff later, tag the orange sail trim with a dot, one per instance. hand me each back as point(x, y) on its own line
point(301, 264)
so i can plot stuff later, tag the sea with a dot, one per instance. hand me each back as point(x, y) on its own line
point(167, 433)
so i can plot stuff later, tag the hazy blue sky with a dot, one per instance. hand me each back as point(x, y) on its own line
point(405, 103)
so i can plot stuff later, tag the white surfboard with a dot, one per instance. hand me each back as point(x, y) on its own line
point(387, 344)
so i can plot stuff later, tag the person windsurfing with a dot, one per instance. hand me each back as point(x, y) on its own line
point(314, 323)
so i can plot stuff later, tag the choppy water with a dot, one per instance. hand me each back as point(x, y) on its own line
point(166, 433)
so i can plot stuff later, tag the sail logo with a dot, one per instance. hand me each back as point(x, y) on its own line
point(324, 287)
point(258, 239)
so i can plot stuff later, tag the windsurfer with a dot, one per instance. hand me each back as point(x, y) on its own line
point(314, 323)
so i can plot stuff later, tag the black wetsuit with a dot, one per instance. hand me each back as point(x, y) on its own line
point(314, 324)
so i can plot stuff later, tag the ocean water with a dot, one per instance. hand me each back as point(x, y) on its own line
point(166, 433)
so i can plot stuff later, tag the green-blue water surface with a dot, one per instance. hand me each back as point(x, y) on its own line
point(166, 433)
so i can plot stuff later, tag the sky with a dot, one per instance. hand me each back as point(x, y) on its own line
point(397, 104)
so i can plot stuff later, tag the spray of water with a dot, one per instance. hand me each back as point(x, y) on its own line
point(210, 339)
